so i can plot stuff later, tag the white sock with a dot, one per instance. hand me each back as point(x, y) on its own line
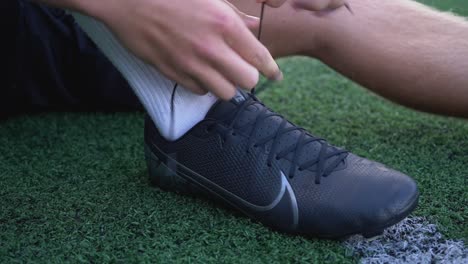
point(152, 88)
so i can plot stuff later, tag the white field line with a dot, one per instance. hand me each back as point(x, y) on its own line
point(414, 240)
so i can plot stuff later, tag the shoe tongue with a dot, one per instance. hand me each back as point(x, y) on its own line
point(225, 110)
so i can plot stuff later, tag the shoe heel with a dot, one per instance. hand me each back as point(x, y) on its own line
point(164, 177)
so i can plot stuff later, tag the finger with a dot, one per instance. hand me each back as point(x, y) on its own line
point(182, 79)
point(233, 67)
point(311, 5)
point(334, 4)
point(252, 22)
point(241, 40)
point(272, 3)
point(193, 86)
point(213, 81)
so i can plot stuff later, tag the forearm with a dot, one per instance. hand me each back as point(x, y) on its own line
point(402, 50)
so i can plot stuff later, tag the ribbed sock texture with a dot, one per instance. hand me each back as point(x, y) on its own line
point(152, 88)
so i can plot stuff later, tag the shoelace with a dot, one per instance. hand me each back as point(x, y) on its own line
point(304, 139)
point(326, 151)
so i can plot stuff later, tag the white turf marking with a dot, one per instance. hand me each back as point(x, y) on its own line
point(414, 240)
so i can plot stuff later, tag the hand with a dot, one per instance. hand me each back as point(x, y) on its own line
point(204, 45)
point(311, 5)
point(272, 3)
point(319, 5)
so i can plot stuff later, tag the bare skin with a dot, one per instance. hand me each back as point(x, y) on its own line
point(204, 45)
point(399, 49)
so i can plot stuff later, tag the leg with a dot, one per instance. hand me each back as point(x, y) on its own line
point(175, 110)
point(398, 48)
point(49, 64)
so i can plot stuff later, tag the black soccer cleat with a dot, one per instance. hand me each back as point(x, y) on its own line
point(254, 160)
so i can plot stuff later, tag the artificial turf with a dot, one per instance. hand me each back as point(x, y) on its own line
point(74, 188)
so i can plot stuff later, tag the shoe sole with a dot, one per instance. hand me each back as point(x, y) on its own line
point(162, 176)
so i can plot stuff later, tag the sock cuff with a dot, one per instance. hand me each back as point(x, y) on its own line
point(152, 88)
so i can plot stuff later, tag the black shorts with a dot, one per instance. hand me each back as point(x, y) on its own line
point(49, 64)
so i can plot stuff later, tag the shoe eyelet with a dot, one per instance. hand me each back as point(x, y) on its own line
point(255, 146)
point(208, 129)
point(277, 158)
point(300, 169)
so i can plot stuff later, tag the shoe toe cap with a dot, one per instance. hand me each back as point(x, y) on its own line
point(365, 197)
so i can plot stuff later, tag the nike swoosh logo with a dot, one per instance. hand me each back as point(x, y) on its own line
point(286, 193)
point(285, 196)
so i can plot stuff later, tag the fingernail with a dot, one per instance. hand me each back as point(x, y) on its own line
point(278, 77)
point(252, 19)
